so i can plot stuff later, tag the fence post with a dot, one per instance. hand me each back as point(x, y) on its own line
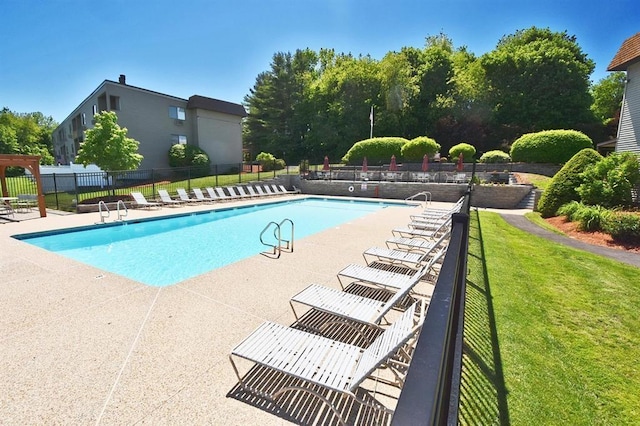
point(55, 191)
point(75, 185)
point(215, 167)
point(240, 169)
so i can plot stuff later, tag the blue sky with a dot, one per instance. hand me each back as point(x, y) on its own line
point(54, 53)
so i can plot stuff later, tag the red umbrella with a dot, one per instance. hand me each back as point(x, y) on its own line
point(460, 164)
point(325, 167)
point(425, 163)
point(393, 166)
point(364, 165)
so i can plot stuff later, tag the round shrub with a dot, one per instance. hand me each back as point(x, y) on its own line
point(181, 155)
point(377, 150)
point(415, 149)
point(495, 156)
point(549, 146)
point(623, 227)
point(562, 188)
point(467, 151)
point(609, 182)
point(269, 162)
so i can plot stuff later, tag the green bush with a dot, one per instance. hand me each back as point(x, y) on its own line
point(562, 188)
point(589, 218)
point(495, 156)
point(415, 149)
point(269, 162)
point(623, 227)
point(377, 150)
point(182, 155)
point(569, 210)
point(549, 146)
point(467, 151)
point(609, 182)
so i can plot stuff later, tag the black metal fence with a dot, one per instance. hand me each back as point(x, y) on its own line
point(65, 190)
point(430, 395)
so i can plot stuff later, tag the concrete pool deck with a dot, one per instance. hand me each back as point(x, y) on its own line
point(83, 346)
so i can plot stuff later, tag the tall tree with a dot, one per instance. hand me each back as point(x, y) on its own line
point(538, 79)
point(277, 123)
point(26, 133)
point(607, 96)
point(107, 145)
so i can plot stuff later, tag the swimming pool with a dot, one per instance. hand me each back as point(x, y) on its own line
point(166, 251)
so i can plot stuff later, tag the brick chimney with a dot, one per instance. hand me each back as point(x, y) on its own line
point(122, 79)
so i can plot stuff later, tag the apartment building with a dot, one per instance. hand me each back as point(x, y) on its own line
point(157, 121)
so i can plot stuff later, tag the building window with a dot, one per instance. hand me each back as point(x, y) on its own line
point(114, 103)
point(177, 112)
point(178, 139)
point(84, 119)
point(95, 109)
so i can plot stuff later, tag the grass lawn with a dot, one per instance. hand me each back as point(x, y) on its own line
point(539, 181)
point(551, 333)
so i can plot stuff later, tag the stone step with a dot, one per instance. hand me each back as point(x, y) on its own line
point(528, 202)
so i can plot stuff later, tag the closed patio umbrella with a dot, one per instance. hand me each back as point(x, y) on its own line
point(364, 165)
point(425, 163)
point(460, 166)
point(325, 167)
point(393, 166)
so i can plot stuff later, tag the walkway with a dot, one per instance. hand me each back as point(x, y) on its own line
point(521, 222)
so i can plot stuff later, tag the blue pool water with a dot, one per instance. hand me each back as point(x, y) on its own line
point(165, 251)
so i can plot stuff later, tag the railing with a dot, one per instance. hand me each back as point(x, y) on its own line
point(102, 209)
point(65, 190)
point(430, 395)
point(122, 212)
point(277, 246)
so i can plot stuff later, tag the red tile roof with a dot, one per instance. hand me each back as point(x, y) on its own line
point(629, 52)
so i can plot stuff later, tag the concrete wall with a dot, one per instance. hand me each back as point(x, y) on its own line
point(488, 196)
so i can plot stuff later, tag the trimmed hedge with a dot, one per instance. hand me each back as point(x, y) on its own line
point(549, 146)
point(495, 156)
point(269, 162)
point(467, 151)
point(377, 150)
point(562, 188)
point(415, 149)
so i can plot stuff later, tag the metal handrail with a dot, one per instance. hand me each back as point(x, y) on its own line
point(277, 234)
point(276, 248)
point(124, 206)
point(102, 204)
point(426, 194)
point(289, 245)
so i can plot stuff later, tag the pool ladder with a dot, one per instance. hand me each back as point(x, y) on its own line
point(280, 243)
point(104, 212)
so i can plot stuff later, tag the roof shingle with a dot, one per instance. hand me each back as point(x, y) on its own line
point(629, 52)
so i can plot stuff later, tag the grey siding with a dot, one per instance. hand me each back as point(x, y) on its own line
point(629, 128)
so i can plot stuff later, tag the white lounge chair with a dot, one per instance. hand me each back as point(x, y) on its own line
point(200, 195)
point(353, 307)
point(415, 244)
point(268, 191)
point(242, 193)
point(182, 194)
point(423, 232)
point(141, 201)
point(285, 191)
point(167, 200)
point(260, 192)
point(252, 191)
point(213, 194)
point(234, 194)
point(321, 362)
point(409, 259)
